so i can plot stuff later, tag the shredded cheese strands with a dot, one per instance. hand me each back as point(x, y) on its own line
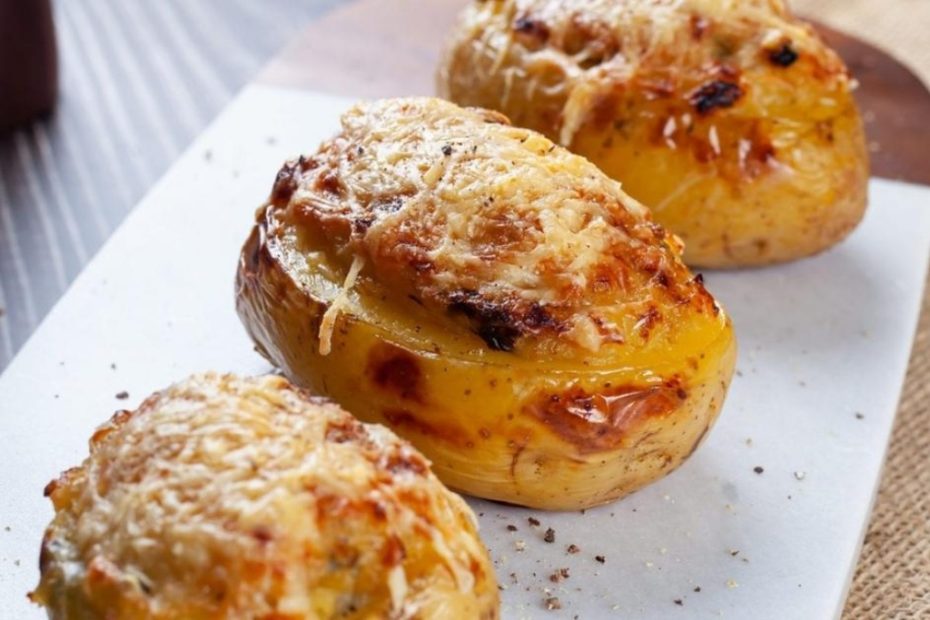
point(328, 323)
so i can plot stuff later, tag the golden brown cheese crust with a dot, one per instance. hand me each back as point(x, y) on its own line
point(491, 297)
point(704, 109)
point(466, 214)
point(223, 497)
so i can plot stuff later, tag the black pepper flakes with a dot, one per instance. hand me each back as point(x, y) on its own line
point(446, 150)
point(573, 549)
point(758, 469)
point(511, 528)
point(549, 536)
point(533, 521)
point(600, 559)
point(679, 602)
point(122, 395)
point(697, 588)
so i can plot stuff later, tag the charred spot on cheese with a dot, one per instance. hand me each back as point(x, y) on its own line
point(500, 325)
point(599, 421)
point(330, 184)
point(395, 370)
point(344, 431)
point(404, 461)
point(263, 534)
point(699, 26)
point(532, 32)
point(591, 41)
point(393, 552)
point(494, 324)
point(715, 94)
point(783, 56)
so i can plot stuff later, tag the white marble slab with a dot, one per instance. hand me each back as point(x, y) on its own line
point(824, 347)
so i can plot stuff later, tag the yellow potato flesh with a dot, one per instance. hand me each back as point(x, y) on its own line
point(514, 426)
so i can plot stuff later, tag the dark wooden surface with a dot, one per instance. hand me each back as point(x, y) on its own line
point(895, 105)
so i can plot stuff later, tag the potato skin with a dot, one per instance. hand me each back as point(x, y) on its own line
point(245, 498)
point(545, 424)
point(732, 121)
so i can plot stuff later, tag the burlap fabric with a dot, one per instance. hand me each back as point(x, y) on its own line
point(893, 576)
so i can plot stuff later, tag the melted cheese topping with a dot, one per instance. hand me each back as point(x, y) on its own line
point(569, 55)
point(243, 498)
point(457, 209)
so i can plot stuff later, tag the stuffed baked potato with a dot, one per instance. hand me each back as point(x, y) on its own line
point(491, 297)
point(730, 119)
point(223, 497)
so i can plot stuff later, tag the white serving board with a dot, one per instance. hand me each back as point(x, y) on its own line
point(821, 340)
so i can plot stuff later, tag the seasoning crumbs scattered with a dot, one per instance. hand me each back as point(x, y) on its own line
point(600, 558)
point(573, 549)
point(511, 528)
point(122, 395)
point(553, 602)
point(549, 536)
point(519, 545)
point(559, 575)
point(758, 469)
point(697, 588)
point(533, 521)
point(679, 602)
point(860, 415)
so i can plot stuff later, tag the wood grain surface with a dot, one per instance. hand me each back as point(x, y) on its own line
point(390, 48)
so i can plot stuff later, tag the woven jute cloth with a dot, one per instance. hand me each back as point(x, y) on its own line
point(893, 576)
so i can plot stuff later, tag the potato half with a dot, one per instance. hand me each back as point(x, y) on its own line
point(491, 297)
point(730, 119)
point(243, 498)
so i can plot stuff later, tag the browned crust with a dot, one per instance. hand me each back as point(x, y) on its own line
point(602, 420)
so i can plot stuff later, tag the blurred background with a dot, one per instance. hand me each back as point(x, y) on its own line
point(138, 80)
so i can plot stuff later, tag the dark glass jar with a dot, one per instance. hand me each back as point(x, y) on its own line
point(28, 61)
